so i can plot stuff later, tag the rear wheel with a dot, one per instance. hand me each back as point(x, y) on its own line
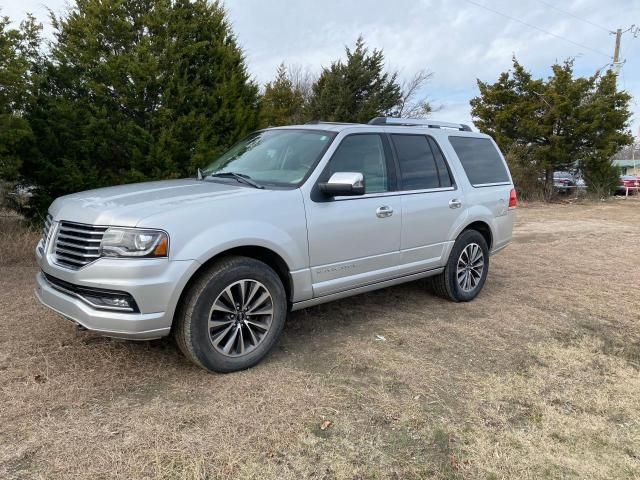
point(466, 270)
point(232, 315)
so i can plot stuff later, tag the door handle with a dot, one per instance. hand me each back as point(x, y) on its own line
point(384, 211)
point(455, 203)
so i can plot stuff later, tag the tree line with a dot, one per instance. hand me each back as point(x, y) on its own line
point(564, 122)
point(146, 89)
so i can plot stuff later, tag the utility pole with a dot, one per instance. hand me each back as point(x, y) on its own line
point(616, 52)
point(633, 157)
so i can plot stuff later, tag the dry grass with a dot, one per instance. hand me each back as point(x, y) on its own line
point(537, 377)
point(575, 412)
point(17, 240)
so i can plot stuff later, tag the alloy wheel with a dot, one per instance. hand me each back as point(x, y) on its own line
point(240, 318)
point(470, 267)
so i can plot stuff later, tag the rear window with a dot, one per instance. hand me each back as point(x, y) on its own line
point(480, 160)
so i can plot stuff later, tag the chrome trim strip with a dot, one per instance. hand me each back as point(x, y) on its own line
point(75, 254)
point(46, 232)
point(395, 193)
point(499, 249)
point(89, 231)
point(88, 302)
point(482, 185)
point(75, 245)
point(63, 234)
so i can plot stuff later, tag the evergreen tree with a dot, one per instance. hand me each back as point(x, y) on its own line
point(553, 124)
point(136, 90)
point(282, 103)
point(356, 90)
point(604, 119)
point(19, 57)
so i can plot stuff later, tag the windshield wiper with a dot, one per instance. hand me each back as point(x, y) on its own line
point(240, 177)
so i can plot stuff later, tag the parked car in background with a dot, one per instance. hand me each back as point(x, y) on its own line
point(564, 182)
point(288, 218)
point(628, 184)
point(21, 194)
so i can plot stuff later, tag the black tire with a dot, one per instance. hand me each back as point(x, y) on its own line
point(192, 329)
point(446, 284)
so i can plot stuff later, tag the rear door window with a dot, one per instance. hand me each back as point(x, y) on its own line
point(443, 170)
point(418, 169)
point(480, 159)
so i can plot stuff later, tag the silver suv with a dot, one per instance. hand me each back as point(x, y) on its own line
point(288, 218)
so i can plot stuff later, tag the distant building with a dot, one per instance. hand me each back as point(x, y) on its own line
point(628, 167)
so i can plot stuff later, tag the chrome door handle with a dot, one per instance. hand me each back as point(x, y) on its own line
point(384, 211)
point(455, 203)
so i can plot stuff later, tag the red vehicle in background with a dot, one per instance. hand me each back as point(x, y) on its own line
point(628, 184)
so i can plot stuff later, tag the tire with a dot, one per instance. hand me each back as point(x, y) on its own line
point(208, 323)
point(446, 284)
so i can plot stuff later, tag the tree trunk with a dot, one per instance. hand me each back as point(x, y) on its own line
point(548, 184)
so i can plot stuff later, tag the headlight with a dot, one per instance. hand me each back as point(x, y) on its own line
point(133, 242)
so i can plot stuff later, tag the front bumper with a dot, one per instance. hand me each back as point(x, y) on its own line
point(136, 326)
point(155, 285)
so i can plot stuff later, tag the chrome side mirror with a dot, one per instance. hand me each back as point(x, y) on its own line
point(344, 183)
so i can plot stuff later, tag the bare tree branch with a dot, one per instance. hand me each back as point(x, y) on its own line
point(410, 105)
point(302, 79)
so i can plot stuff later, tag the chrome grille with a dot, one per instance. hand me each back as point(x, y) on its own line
point(77, 244)
point(45, 232)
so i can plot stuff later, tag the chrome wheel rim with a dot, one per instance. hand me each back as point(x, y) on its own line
point(240, 318)
point(470, 267)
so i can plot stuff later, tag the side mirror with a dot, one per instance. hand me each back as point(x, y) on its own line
point(344, 183)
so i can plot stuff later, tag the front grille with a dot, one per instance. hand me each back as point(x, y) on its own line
point(77, 244)
point(45, 232)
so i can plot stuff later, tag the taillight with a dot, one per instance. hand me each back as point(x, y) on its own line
point(513, 199)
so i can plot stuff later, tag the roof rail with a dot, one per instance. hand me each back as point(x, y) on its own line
point(322, 122)
point(418, 122)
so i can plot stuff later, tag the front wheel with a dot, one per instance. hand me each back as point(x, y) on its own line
point(232, 315)
point(466, 270)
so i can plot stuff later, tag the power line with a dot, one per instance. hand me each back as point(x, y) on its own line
point(537, 28)
point(550, 5)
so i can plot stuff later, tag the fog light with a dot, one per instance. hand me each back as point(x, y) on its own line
point(96, 297)
point(116, 302)
point(110, 301)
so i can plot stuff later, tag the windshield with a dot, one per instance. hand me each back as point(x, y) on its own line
point(274, 157)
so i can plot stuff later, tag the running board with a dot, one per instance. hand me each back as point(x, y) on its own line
point(365, 288)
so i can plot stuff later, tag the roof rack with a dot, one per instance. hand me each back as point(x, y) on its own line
point(418, 122)
point(322, 122)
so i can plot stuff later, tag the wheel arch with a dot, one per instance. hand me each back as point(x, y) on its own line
point(483, 228)
point(263, 254)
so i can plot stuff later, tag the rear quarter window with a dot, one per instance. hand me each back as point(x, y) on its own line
point(480, 159)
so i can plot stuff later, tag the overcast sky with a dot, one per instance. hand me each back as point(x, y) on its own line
point(458, 40)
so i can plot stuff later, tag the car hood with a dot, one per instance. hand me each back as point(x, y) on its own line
point(127, 205)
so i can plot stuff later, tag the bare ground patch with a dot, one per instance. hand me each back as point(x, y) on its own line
point(411, 406)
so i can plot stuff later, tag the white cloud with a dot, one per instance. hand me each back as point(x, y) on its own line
point(457, 40)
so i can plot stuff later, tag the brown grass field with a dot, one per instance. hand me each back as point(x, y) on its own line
point(538, 378)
